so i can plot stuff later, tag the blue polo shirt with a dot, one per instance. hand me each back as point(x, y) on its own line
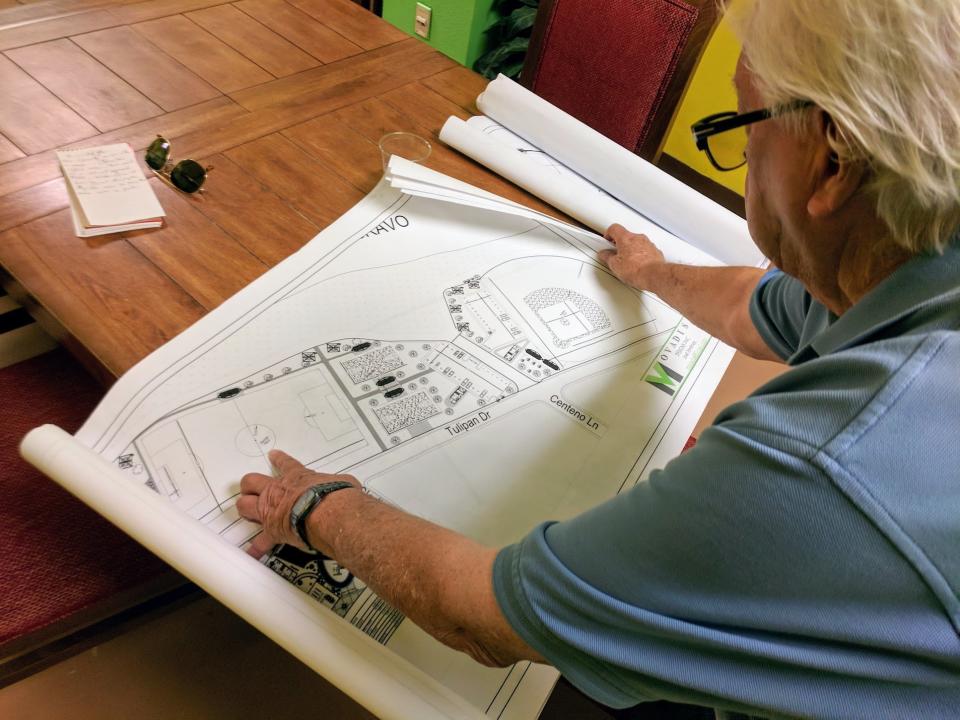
point(804, 558)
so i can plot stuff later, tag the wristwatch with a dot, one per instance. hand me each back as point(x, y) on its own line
point(305, 504)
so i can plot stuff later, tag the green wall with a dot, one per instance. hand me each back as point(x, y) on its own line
point(457, 26)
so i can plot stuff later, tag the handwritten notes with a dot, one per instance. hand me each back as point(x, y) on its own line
point(108, 192)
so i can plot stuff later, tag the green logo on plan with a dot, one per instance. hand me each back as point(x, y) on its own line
point(663, 378)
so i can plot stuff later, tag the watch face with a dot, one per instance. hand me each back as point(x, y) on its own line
point(303, 502)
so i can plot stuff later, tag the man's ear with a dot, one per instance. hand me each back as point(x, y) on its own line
point(836, 180)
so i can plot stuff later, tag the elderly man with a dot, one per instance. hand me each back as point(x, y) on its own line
point(804, 558)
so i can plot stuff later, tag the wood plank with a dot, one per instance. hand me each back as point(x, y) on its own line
point(314, 191)
point(459, 85)
point(8, 151)
point(247, 36)
point(214, 61)
point(352, 21)
point(31, 203)
point(220, 124)
point(102, 291)
point(150, 70)
point(33, 117)
point(56, 28)
point(194, 252)
point(309, 85)
point(300, 29)
point(27, 172)
point(374, 118)
point(97, 95)
point(427, 107)
point(341, 149)
point(251, 214)
point(35, 169)
point(152, 9)
point(42, 11)
point(339, 89)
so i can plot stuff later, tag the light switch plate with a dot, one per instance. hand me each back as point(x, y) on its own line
point(421, 21)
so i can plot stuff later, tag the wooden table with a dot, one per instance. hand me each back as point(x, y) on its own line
point(286, 99)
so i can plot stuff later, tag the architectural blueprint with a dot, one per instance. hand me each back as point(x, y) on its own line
point(479, 369)
point(467, 358)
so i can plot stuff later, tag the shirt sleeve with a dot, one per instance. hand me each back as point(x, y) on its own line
point(780, 307)
point(721, 581)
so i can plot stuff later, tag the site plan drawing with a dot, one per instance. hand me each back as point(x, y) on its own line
point(479, 369)
point(468, 359)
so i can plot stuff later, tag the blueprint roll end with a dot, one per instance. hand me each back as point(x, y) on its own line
point(41, 442)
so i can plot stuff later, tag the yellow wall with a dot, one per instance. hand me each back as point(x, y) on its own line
point(711, 90)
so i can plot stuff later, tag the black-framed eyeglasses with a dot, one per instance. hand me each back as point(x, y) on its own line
point(187, 175)
point(723, 136)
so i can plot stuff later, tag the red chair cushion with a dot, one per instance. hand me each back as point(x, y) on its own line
point(57, 557)
point(612, 78)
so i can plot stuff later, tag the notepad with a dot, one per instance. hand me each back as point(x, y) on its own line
point(108, 191)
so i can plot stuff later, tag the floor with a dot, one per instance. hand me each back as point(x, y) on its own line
point(202, 662)
point(20, 337)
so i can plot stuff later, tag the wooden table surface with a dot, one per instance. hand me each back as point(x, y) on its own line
point(286, 99)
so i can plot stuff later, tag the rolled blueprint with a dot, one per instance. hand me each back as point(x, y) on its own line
point(376, 678)
point(414, 179)
point(596, 212)
point(646, 189)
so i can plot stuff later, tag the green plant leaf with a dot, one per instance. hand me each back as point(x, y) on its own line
point(510, 36)
point(502, 56)
point(519, 20)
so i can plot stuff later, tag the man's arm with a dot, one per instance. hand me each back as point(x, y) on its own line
point(441, 580)
point(716, 299)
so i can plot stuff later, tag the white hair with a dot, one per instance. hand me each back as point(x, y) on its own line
point(888, 74)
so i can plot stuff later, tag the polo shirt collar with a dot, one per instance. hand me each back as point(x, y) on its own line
point(919, 281)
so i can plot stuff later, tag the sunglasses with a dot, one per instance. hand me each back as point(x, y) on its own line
point(187, 175)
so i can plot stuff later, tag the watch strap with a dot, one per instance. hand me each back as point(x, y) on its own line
point(300, 511)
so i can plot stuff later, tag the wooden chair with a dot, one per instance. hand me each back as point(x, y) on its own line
point(620, 66)
point(66, 575)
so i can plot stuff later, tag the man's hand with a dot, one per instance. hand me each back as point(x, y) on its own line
point(634, 258)
point(716, 299)
point(269, 500)
point(441, 580)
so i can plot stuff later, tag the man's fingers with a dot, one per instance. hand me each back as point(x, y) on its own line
point(618, 235)
point(615, 233)
point(260, 545)
point(283, 462)
point(247, 507)
point(254, 483)
point(613, 260)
